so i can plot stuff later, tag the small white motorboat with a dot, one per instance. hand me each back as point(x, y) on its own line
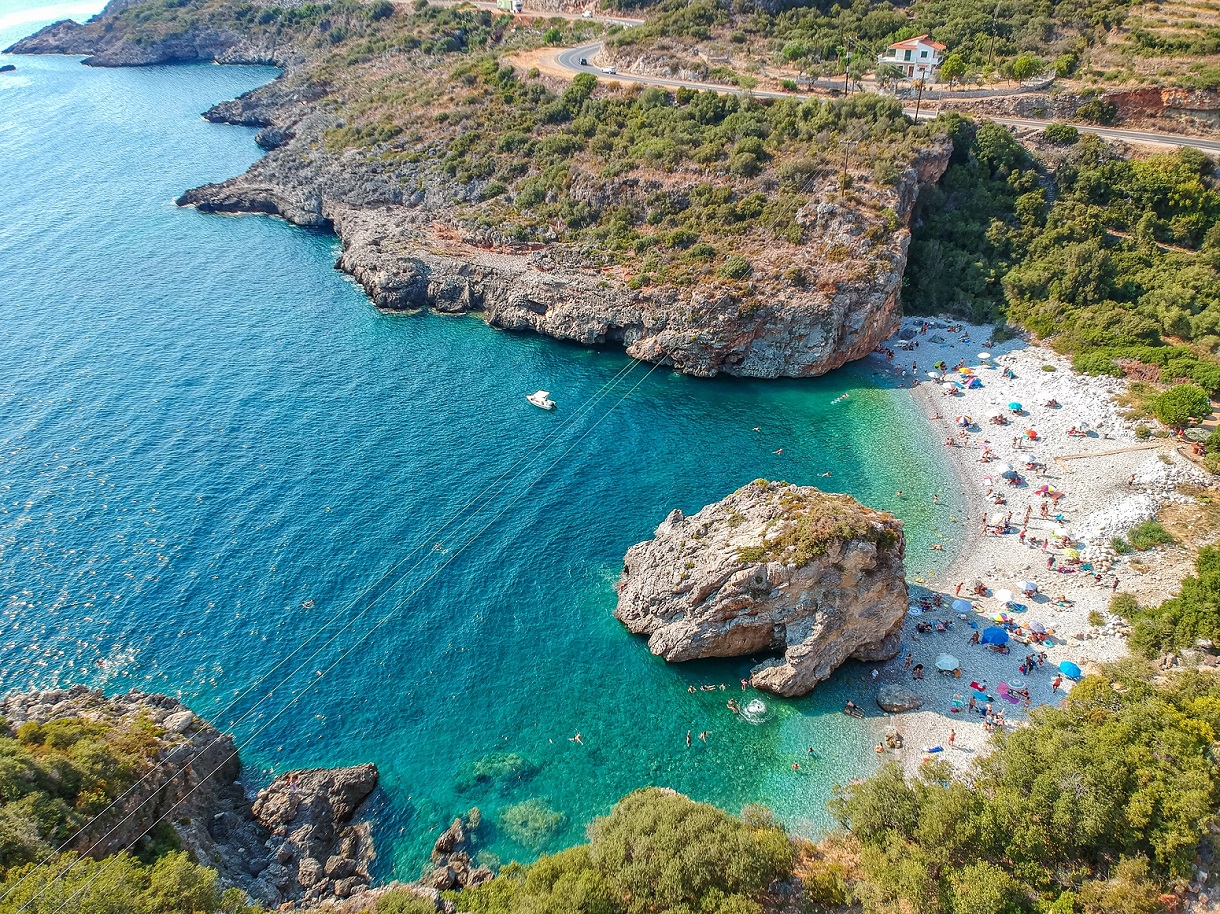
point(542, 399)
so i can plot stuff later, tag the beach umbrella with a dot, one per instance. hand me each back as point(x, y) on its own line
point(1028, 587)
point(1004, 469)
point(1072, 553)
point(973, 383)
point(1031, 434)
point(1015, 406)
point(994, 413)
point(963, 421)
point(995, 635)
point(949, 385)
point(962, 606)
point(935, 375)
point(984, 356)
point(1004, 596)
point(1069, 669)
point(964, 370)
point(1000, 617)
point(947, 662)
point(1037, 627)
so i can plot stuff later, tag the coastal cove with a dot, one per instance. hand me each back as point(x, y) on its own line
point(213, 445)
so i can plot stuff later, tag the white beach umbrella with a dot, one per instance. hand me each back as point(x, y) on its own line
point(1003, 469)
point(1004, 596)
point(947, 662)
point(984, 356)
point(1028, 587)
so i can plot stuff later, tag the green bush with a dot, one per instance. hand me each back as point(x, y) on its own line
point(1177, 622)
point(1146, 535)
point(404, 902)
point(736, 267)
point(1181, 403)
point(656, 852)
point(1056, 808)
point(1120, 545)
point(1061, 134)
point(1143, 432)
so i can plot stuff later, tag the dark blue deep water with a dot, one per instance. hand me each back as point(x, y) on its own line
point(212, 447)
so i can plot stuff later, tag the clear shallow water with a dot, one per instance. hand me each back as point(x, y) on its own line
point(203, 428)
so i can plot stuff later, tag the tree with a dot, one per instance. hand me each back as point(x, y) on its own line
point(953, 69)
point(888, 75)
point(1181, 403)
point(1026, 67)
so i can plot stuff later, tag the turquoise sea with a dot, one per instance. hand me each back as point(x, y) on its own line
point(212, 447)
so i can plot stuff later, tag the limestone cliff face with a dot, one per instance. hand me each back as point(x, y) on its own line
point(403, 242)
point(297, 842)
point(399, 247)
point(104, 46)
point(773, 568)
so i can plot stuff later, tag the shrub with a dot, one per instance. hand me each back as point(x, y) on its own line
point(657, 851)
point(1120, 545)
point(404, 902)
point(1142, 432)
point(1181, 403)
point(1148, 534)
point(1095, 618)
point(1097, 112)
point(1179, 621)
point(1061, 134)
point(736, 267)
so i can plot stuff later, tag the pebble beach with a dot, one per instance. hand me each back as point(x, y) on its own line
point(1108, 480)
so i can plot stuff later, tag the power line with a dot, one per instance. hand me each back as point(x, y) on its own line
point(592, 401)
point(322, 674)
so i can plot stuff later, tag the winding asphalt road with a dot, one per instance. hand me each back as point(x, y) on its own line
point(570, 60)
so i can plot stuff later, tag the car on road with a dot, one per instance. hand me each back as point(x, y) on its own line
point(587, 14)
point(583, 62)
point(610, 70)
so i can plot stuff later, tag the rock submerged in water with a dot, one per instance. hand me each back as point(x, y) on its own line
point(773, 568)
point(896, 699)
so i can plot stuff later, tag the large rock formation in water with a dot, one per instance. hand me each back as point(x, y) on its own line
point(774, 568)
point(298, 841)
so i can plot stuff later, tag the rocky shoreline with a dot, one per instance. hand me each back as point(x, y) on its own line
point(298, 841)
point(402, 244)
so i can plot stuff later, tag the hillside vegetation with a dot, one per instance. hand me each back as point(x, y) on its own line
point(1122, 264)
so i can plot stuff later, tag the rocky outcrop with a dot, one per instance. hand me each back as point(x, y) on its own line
point(318, 852)
point(896, 699)
point(397, 247)
point(297, 842)
point(772, 569)
point(104, 42)
point(453, 858)
point(413, 235)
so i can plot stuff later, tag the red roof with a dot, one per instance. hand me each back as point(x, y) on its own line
point(918, 39)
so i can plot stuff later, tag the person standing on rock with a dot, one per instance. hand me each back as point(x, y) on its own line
point(687, 739)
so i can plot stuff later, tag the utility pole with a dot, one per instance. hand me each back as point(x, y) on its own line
point(994, 17)
point(918, 98)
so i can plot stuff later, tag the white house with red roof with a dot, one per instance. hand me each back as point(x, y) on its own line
point(919, 57)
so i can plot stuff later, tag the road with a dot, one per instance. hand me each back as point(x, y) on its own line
point(536, 14)
point(569, 59)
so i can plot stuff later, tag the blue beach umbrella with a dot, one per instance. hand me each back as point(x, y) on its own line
point(1015, 406)
point(1069, 669)
point(993, 634)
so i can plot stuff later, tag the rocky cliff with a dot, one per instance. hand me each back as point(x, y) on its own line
point(772, 569)
point(416, 235)
point(102, 45)
point(297, 841)
point(400, 249)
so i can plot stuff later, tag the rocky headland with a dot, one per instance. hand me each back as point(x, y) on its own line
point(417, 235)
point(299, 841)
point(813, 577)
